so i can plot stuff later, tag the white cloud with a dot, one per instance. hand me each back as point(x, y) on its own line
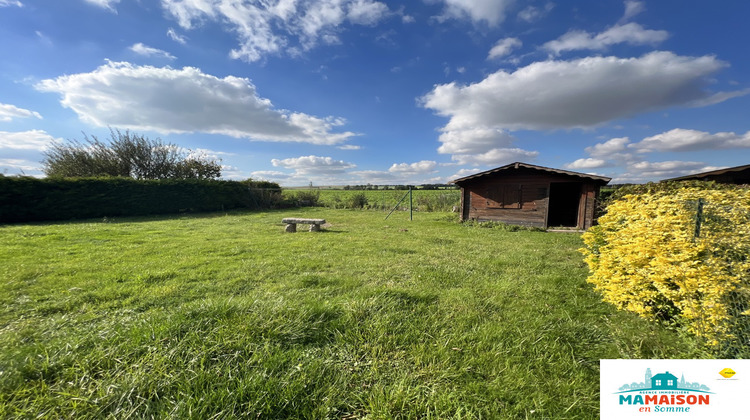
point(608, 148)
point(616, 153)
point(20, 166)
point(667, 165)
point(191, 13)
point(633, 8)
point(144, 50)
point(531, 14)
point(464, 172)
point(490, 11)
point(44, 39)
point(399, 174)
point(366, 12)
point(405, 18)
point(376, 177)
point(207, 153)
point(473, 140)
point(587, 163)
point(8, 112)
point(665, 169)
point(272, 27)
point(611, 153)
point(349, 147)
point(717, 97)
point(496, 157)
point(269, 175)
point(482, 146)
point(7, 3)
point(174, 36)
point(421, 167)
point(185, 100)
point(639, 172)
point(629, 33)
point(504, 47)
point(313, 165)
point(105, 4)
point(679, 140)
point(25, 140)
point(233, 173)
point(580, 93)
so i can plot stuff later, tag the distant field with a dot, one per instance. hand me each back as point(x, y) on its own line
point(225, 316)
point(422, 200)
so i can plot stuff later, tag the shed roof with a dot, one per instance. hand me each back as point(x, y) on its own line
point(517, 165)
point(725, 171)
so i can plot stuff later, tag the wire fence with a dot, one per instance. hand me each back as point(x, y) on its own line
point(724, 227)
point(385, 200)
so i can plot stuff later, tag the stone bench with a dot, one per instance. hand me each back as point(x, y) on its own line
point(291, 224)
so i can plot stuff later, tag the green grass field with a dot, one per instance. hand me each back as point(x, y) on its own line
point(224, 316)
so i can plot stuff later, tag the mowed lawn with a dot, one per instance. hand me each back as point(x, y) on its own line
point(225, 316)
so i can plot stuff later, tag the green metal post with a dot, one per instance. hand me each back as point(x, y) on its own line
point(411, 206)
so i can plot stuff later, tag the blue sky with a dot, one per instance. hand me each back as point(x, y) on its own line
point(335, 92)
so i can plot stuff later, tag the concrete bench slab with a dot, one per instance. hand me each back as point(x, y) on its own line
point(291, 223)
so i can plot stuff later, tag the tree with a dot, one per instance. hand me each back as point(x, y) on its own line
point(126, 155)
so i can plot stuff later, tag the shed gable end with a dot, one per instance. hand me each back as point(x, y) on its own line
point(522, 194)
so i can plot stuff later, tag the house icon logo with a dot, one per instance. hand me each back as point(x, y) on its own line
point(663, 381)
point(664, 393)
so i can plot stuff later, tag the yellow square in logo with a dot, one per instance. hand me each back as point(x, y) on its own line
point(727, 373)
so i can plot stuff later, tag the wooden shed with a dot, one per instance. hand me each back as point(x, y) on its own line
point(530, 195)
point(735, 175)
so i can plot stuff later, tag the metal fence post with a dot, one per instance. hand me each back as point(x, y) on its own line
point(411, 205)
point(699, 218)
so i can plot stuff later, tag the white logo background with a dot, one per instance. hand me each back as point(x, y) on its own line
point(729, 398)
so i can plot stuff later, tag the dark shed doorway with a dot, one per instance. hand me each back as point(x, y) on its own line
point(564, 198)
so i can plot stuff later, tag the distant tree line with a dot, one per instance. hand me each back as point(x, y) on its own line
point(128, 155)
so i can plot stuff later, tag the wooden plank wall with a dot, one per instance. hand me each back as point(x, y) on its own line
point(534, 199)
point(587, 210)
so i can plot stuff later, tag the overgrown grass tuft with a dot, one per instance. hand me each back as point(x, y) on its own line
point(224, 315)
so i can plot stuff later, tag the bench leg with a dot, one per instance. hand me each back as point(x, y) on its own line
point(314, 227)
point(291, 227)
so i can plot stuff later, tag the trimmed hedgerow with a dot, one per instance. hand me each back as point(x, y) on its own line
point(24, 199)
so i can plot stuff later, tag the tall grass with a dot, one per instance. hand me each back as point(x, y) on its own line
point(225, 316)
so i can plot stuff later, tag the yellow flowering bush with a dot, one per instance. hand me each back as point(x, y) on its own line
point(655, 254)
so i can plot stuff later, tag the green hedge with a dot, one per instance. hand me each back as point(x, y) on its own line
point(24, 199)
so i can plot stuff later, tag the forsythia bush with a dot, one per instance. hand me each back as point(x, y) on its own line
point(645, 257)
